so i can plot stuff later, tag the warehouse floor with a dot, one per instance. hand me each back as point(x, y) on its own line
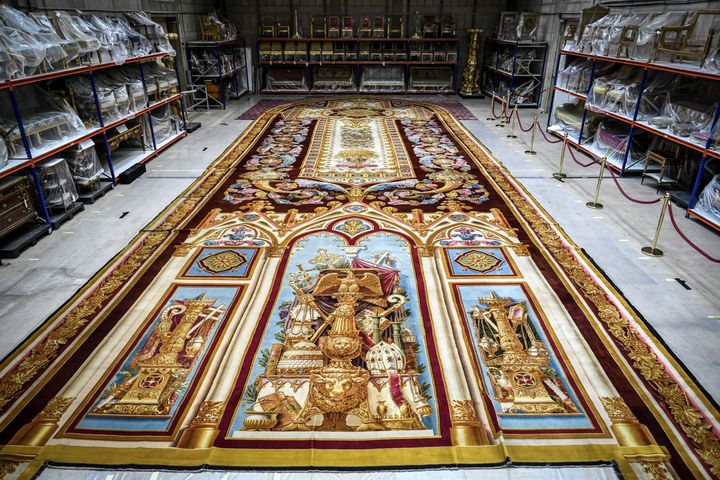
point(678, 294)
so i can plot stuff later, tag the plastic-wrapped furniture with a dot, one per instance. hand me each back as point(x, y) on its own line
point(508, 23)
point(70, 45)
point(136, 43)
point(430, 78)
point(153, 31)
point(3, 153)
point(164, 124)
point(48, 121)
point(56, 57)
point(688, 109)
point(85, 167)
point(8, 68)
point(708, 202)
point(75, 28)
point(334, 77)
point(690, 39)
point(286, 79)
point(526, 30)
point(84, 100)
point(382, 78)
point(647, 33)
point(166, 78)
point(119, 91)
point(130, 76)
point(113, 45)
point(26, 53)
point(57, 183)
point(616, 92)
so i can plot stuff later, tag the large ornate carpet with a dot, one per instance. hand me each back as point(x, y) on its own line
point(354, 283)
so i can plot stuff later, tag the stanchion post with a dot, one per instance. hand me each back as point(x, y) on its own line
point(512, 124)
point(492, 109)
point(501, 120)
point(559, 175)
point(653, 251)
point(532, 151)
point(594, 204)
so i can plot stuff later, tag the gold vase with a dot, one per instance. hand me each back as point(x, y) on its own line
point(470, 84)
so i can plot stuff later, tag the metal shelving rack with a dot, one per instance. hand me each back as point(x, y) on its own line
point(493, 74)
point(708, 151)
point(358, 64)
point(28, 162)
point(237, 76)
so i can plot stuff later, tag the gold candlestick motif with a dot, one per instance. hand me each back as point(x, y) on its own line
point(470, 85)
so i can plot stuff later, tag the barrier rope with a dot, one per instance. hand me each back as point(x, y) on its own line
point(517, 114)
point(689, 242)
point(547, 139)
point(617, 183)
point(493, 110)
point(584, 165)
point(615, 179)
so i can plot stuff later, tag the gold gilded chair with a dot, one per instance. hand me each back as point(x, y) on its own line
point(665, 154)
point(689, 40)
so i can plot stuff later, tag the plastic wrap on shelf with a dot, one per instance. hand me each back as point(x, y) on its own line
point(84, 101)
point(655, 95)
point(8, 68)
point(611, 140)
point(135, 43)
point(334, 77)
point(70, 45)
point(84, 166)
point(74, 27)
point(688, 39)
point(55, 55)
point(226, 29)
point(49, 121)
point(205, 63)
point(708, 202)
point(382, 78)
point(616, 32)
point(286, 79)
point(3, 153)
point(119, 92)
point(130, 77)
point(164, 77)
point(616, 92)
point(164, 124)
point(569, 116)
point(113, 47)
point(576, 76)
point(24, 55)
point(431, 78)
point(647, 33)
point(527, 26)
point(57, 183)
point(153, 31)
point(688, 109)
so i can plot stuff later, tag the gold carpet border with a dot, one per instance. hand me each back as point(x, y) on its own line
point(500, 454)
point(645, 361)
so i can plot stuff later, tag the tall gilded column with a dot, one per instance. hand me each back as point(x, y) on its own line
point(470, 85)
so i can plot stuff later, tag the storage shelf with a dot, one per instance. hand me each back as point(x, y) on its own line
point(16, 164)
point(570, 92)
point(75, 71)
point(517, 43)
point(125, 158)
point(597, 156)
point(706, 219)
point(663, 66)
point(493, 76)
point(510, 74)
point(359, 39)
point(350, 62)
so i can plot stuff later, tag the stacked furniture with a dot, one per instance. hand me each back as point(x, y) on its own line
point(75, 82)
point(218, 67)
point(643, 90)
point(362, 53)
point(514, 67)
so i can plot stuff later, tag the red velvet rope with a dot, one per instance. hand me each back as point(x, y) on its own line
point(645, 202)
point(547, 139)
point(684, 237)
point(517, 114)
point(493, 111)
point(584, 165)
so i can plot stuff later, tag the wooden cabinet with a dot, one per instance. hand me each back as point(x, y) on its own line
point(16, 204)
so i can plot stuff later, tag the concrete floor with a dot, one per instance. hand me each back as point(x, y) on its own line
point(45, 276)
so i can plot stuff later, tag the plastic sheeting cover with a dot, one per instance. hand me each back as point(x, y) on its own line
point(708, 202)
